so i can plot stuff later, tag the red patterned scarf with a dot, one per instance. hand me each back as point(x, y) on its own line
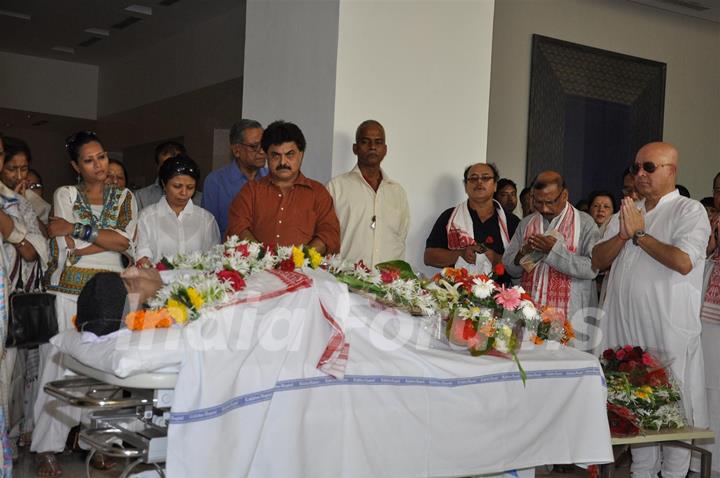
point(546, 285)
point(711, 305)
point(460, 232)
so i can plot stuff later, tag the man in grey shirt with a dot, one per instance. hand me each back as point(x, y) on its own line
point(152, 193)
point(551, 253)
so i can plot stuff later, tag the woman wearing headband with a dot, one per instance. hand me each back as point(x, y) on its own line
point(92, 227)
point(174, 224)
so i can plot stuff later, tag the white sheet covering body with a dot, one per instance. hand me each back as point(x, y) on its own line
point(250, 400)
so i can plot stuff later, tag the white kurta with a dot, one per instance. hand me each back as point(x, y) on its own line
point(653, 306)
point(373, 225)
point(162, 233)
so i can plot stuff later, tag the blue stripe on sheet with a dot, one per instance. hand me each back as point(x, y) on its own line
point(177, 418)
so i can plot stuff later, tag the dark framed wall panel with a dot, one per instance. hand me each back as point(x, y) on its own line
point(590, 111)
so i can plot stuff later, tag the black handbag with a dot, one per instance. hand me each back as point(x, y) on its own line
point(31, 313)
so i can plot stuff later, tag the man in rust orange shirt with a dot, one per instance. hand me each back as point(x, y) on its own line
point(285, 207)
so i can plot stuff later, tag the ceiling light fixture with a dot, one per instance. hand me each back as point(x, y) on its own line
point(141, 9)
point(98, 31)
point(21, 16)
point(63, 49)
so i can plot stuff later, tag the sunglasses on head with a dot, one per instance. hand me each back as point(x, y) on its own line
point(73, 138)
point(647, 166)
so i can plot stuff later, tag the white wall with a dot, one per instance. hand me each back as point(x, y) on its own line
point(423, 70)
point(689, 46)
point(290, 51)
point(48, 86)
point(209, 53)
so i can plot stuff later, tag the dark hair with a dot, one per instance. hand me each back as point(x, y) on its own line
point(627, 172)
point(582, 205)
point(496, 173)
point(505, 182)
point(683, 190)
point(180, 164)
point(15, 146)
point(708, 201)
point(597, 194)
point(167, 147)
point(74, 142)
point(279, 132)
point(122, 165)
point(524, 192)
point(237, 131)
point(715, 178)
point(101, 303)
point(365, 124)
point(33, 171)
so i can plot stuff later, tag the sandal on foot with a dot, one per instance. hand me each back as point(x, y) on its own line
point(47, 465)
point(102, 462)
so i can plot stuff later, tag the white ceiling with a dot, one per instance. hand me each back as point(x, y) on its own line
point(705, 9)
point(63, 23)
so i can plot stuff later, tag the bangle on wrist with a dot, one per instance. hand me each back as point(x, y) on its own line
point(77, 230)
point(87, 232)
point(94, 232)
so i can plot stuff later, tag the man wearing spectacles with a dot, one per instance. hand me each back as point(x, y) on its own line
point(475, 233)
point(221, 186)
point(372, 208)
point(656, 247)
point(550, 252)
point(151, 194)
point(285, 207)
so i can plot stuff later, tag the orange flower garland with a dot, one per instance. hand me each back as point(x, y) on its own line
point(149, 319)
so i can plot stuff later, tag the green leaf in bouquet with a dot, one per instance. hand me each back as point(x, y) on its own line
point(358, 284)
point(164, 261)
point(402, 267)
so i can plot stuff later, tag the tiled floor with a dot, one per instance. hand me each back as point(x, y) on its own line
point(73, 466)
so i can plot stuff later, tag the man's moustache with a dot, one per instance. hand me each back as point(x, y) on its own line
point(282, 166)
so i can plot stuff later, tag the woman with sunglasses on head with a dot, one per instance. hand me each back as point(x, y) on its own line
point(174, 224)
point(92, 226)
point(474, 233)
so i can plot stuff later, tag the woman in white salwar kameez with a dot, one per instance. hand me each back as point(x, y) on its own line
point(26, 261)
point(92, 226)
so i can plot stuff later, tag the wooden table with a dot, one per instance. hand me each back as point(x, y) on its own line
point(672, 437)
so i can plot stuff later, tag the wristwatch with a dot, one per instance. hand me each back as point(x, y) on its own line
point(638, 234)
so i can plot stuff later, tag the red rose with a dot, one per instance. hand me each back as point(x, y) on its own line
point(628, 348)
point(648, 360)
point(243, 249)
point(489, 240)
point(609, 354)
point(468, 329)
point(620, 354)
point(389, 275)
point(234, 277)
point(361, 265)
point(287, 265)
point(161, 266)
point(499, 269)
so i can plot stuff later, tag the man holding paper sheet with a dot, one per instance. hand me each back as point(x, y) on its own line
point(550, 252)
